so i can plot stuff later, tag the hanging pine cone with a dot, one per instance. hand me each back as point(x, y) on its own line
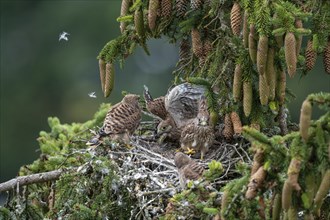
point(237, 124)
point(184, 51)
point(138, 22)
point(298, 24)
point(166, 8)
point(305, 119)
point(197, 44)
point(262, 54)
point(245, 30)
point(236, 19)
point(252, 44)
point(228, 130)
point(271, 74)
point(247, 98)
point(196, 4)
point(181, 7)
point(290, 53)
point(152, 13)
point(102, 67)
point(237, 84)
point(263, 89)
point(125, 4)
point(109, 79)
point(326, 58)
point(310, 56)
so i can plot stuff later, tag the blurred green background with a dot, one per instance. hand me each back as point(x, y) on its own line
point(42, 77)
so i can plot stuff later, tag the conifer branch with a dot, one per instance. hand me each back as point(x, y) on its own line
point(31, 179)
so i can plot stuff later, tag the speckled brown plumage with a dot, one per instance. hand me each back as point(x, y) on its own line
point(198, 135)
point(121, 120)
point(188, 169)
point(155, 106)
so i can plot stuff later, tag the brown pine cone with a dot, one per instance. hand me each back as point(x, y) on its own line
point(152, 13)
point(237, 84)
point(271, 73)
point(237, 124)
point(166, 8)
point(247, 98)
point(125, 4)
point(326, 58)
point(228, 130)
point(196, 4)
point(263, 90)
point(197, 44)
point(236, 19)
point(245, 30)
point(290, 53)
point(253, 44)
point(109, 79)
point(262, 54)
point(310, 56)
point(181, 7)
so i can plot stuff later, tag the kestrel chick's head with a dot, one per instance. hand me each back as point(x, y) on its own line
point(131, 99)
point(180, 160)
point(121, 120)
point(168, 129)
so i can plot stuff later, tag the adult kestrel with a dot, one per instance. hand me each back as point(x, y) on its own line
point(198, 135)
point(181, 102)
point(188, 169)
point(121, 121)
point(155, 106)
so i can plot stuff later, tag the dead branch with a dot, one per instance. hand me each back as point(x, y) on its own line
point(31, 179)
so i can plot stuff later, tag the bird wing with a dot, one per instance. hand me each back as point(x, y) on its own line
point(157, 107)
point(182, 102)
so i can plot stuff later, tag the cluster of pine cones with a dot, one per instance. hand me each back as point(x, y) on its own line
point(272, 76)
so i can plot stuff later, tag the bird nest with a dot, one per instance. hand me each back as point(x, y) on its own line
point(148, 172)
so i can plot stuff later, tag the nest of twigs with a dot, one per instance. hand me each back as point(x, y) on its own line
point(147, 170)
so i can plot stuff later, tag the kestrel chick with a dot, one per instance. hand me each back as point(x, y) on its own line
point(188, 169)
point(198, 135)
point(167, 129)
point(121, 121)
point(155, 106)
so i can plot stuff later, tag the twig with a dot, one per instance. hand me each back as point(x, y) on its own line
point(31, 179)
point(156, 191)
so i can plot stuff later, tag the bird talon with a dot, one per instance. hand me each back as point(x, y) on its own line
point(190, 151)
